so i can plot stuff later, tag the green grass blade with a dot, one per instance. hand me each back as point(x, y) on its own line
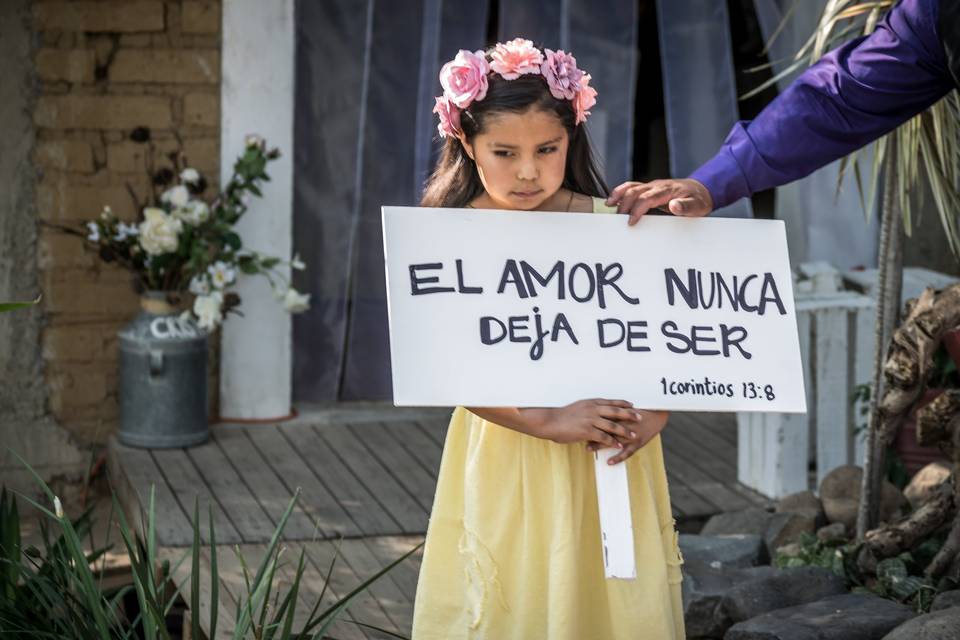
point(195, 572)
point(330, 614)
point(214, 576)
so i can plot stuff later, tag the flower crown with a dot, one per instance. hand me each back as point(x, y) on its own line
point(464, 79)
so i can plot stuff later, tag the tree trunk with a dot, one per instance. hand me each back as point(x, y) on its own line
point(889, 278)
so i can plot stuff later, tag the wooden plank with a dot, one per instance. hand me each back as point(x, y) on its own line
point(270, 492)
point(188, 486)
point(709, 438)
point(316, 500)
point(397, 605)
point(713, 462)
point(692, 504)
point(682, 495)
point(756, 498)
point(363, 508)
point(723, 425)
point(386, 488)
point(721, 495)
point(832, 402)
point(418, 444)
point(401, 464)
point(226, 605)
point(694, 468)
point(133, 473)
point(388, 548)
point(232, 493)
point(311, 587)
point(435, 429)
point(344, 579)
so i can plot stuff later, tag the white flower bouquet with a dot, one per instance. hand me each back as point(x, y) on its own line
point(183, 244)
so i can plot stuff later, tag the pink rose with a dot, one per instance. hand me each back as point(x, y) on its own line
point(515, 58)
point(464, 79)
point(562, 75)
point(586, 97)
point(449, 117)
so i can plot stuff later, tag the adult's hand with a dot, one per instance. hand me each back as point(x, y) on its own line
point(684, 197)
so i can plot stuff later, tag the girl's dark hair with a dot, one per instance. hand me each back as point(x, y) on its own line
point(455, 182)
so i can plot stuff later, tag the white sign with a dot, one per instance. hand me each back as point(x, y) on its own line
point(536, 309)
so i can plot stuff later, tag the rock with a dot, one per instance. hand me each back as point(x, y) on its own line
point(785, 528)
point(776, 529)
point(840, 495)
point(836, 532)
point(748, 521)
point(703, 591)
point(936, 625)
point(805, 502)
point(851, 616)
point(780, 589)
point(924, 482)
point(717, 552)
point(946, 600)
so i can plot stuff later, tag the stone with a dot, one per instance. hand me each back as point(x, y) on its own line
point(851, 616)
point(936, 625)
point(924, 483)
point(785, 528)
point(748, 521)
point(733, 550)
point(840, 496)
point(777, 529)
point(799, 500)
point(832, 533)
point(946, 600)
point(780, 589)
point(703, 591)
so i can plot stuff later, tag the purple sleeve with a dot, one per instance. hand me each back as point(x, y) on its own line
point(853, 95)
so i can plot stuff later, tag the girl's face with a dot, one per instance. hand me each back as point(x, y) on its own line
point(521, 159)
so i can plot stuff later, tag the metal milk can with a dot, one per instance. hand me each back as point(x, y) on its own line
point(163, 377)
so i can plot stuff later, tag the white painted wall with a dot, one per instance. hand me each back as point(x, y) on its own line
point(257, 97)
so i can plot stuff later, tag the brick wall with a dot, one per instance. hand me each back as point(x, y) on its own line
point(104, 68)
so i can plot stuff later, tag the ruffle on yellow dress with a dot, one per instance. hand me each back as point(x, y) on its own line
point(513, 546)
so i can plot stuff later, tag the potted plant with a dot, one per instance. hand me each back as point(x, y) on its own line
point(185, 256)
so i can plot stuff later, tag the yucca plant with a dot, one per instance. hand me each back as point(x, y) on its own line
point(55, 592)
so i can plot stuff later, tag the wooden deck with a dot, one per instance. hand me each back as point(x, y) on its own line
point(365, 476)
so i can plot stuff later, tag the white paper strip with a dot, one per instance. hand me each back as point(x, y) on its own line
point(616, 521)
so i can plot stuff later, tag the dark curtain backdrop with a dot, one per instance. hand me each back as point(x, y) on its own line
point(365, 137)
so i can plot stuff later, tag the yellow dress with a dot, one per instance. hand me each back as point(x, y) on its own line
point(513, 546)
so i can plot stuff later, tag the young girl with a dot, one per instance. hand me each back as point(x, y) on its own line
point(513, 549)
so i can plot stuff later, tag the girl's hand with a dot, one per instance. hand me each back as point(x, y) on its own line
point(680, 197)
point(604, 423)
point(653, 423)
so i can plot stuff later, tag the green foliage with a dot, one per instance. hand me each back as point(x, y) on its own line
point(54, 592)
point(13, 306)
point(900, 578)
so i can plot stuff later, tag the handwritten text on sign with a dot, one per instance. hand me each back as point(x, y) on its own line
point(491, 308)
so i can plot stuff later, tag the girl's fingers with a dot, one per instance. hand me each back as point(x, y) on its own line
point(620, 413)
point(613, 428)
point(604, 439)
point(623, 455)
point(613, 403)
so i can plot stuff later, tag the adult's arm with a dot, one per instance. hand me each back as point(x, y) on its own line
point(852, 96)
